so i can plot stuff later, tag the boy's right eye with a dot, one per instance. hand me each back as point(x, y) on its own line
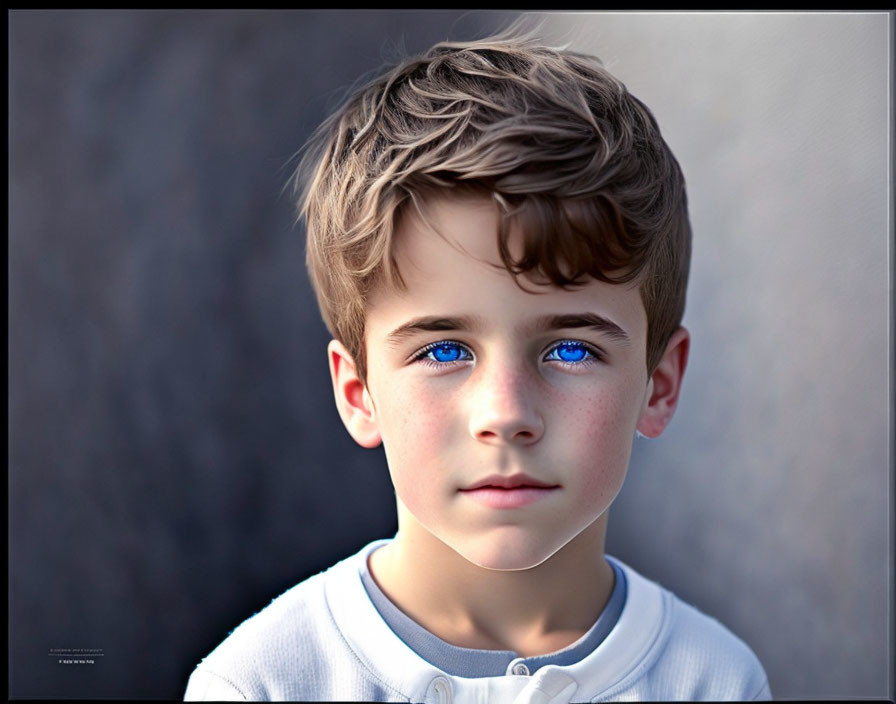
point(443, 352)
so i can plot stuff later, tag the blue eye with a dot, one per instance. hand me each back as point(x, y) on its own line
point(444, 353)
point(571, 353)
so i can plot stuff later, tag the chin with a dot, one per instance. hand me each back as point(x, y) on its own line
point(503, 554)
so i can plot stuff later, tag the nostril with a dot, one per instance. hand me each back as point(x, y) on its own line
point(515, 430)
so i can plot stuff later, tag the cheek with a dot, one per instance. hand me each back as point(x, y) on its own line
point(413, 418)
point(599, 432)
point(416, 427)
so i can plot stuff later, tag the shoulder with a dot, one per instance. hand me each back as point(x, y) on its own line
point(276, 645)
point(295, 649)
point(695, 657)
point(720, 665)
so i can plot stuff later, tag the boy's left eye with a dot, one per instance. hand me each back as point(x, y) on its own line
point(570, 352)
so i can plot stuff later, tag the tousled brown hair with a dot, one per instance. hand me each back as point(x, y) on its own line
point(566, 152)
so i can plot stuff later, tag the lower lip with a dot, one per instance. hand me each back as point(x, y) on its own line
point(508, 498)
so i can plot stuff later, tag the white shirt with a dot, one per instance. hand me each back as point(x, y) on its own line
point(324, 640)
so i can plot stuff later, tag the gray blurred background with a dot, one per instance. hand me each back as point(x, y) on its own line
point(175, 458)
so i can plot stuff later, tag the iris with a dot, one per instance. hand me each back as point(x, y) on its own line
point(446, 353)
point(568, 352)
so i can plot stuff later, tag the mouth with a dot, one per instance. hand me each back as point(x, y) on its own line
point(510, 482)
point(506, 492)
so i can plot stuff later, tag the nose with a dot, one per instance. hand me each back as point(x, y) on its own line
point(504, 408)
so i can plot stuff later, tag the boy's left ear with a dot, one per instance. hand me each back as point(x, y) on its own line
point(664, 386)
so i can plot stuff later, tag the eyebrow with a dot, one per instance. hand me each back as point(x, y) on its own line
point(435, 323)
point(431, 323)
point(583, 320)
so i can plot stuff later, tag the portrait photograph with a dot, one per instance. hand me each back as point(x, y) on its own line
point(187, 445)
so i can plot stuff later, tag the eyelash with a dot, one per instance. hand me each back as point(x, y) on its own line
point(593, 355)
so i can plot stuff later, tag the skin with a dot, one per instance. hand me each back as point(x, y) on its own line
point(510, 401)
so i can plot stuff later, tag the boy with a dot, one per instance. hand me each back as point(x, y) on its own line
point(499, 242)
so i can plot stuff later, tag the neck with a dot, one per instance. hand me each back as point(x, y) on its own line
point(532, 611)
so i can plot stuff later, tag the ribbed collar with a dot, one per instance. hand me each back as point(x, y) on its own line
point(641, 627)
point(471, 662)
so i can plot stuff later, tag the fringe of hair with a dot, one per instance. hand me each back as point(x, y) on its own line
point(568, 155)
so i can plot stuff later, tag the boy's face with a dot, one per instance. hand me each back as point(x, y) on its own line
point(471, 378)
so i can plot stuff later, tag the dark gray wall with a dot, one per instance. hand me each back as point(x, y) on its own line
point(175, 457)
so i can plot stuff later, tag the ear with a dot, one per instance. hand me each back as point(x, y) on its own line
point(664, 385)
point(352, 399)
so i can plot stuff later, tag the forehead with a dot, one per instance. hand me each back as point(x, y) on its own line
point(466, 222)
point(449, 260)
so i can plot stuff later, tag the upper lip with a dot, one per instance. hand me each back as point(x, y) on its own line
point(509, 481)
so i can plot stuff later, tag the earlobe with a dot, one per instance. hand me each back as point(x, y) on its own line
point(664, 386)
point(352, 398)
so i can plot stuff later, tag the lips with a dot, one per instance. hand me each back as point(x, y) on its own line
point(508, 492)
point(512, 481)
